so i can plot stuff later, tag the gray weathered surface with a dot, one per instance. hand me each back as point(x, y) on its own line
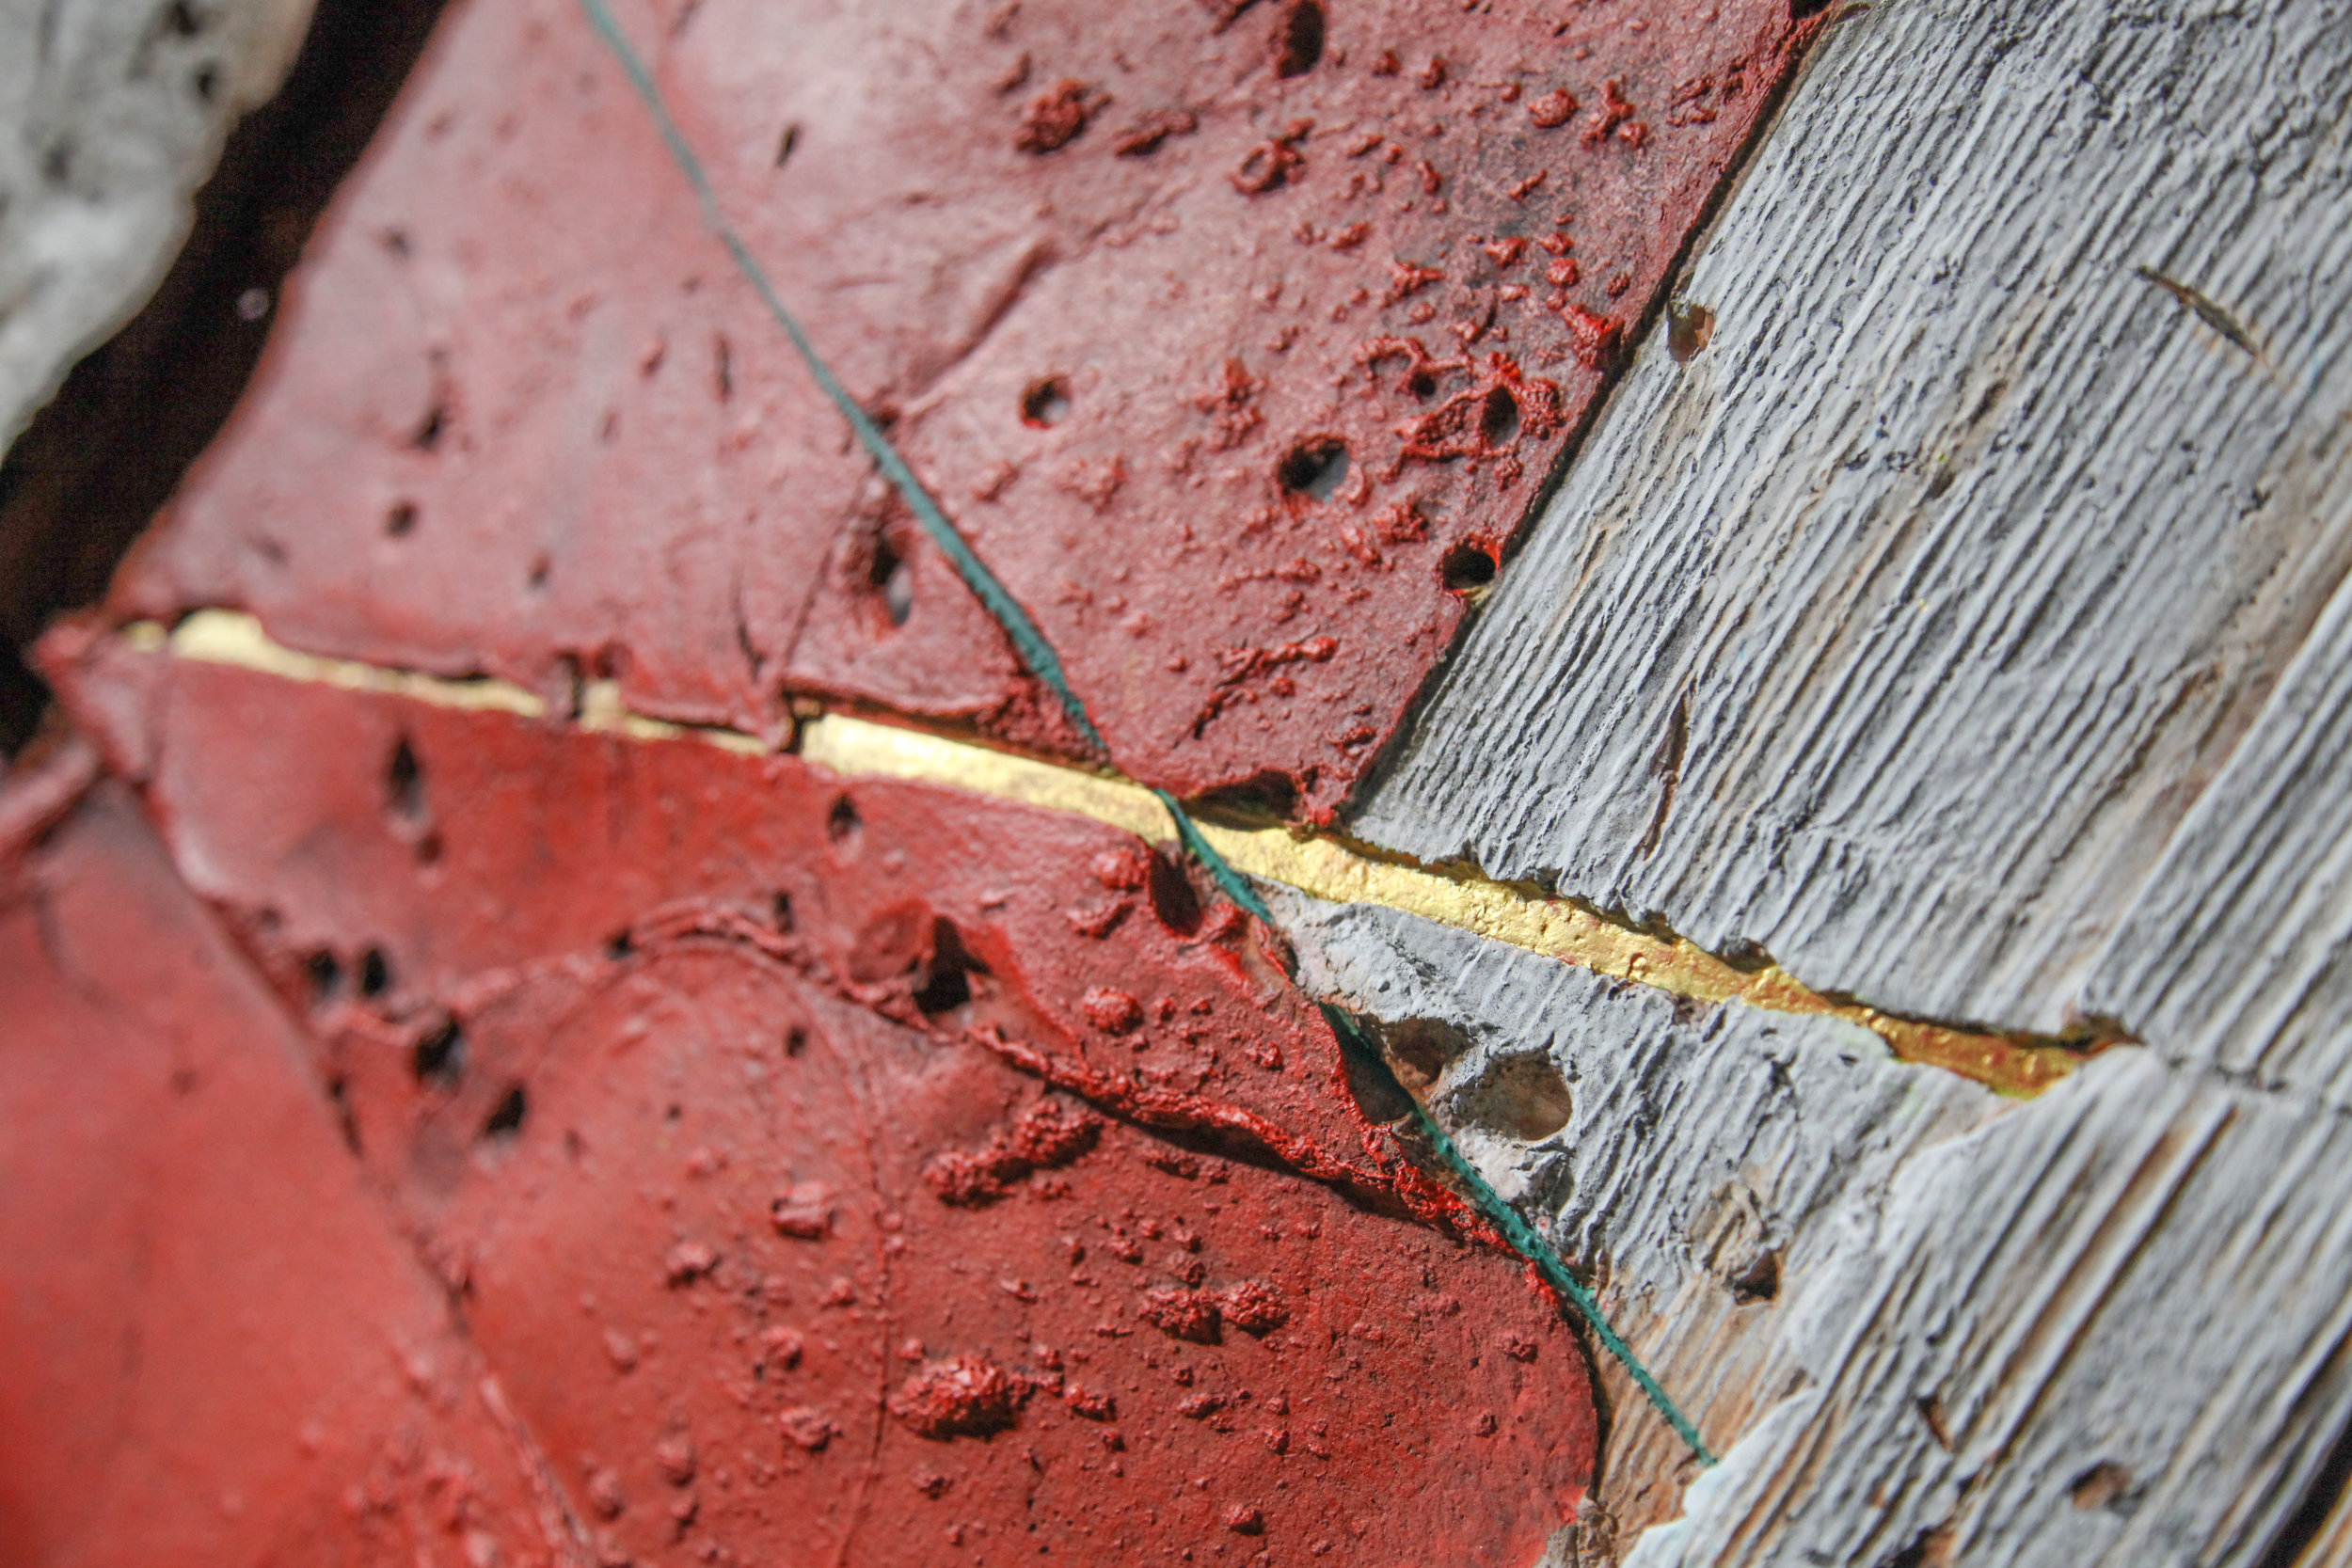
point(1944, 580)
point(2145, 1269)
point(112, 112)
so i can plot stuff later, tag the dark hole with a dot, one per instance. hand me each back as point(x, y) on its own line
point(946, 980)
point(428, 435)
point(1422, 385)
point(207, 81)
point(1316, 467)
point(786, 143)
point(1498, 416)
point(324, 975)
point(620, 944)
point(539, 573)
point(890, 573)
point(1420, 1049)
point(1467, 568)
point(182, 20)
point(440, 1057)
point(795, 1040)
point(780, 912)
point(507, 1120)
point(1300, 45)
point(401, 519)
point(1759, 1281)
point(723, 368)
point(1914, 1555)
point(1173, 900)
point(1263, 796)
point(1799, 10)
point(404, 784)
point(1046, 402)
point(428, 848)
point(841, 823)
point(375, 972)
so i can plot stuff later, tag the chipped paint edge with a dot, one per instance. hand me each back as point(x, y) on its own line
point(1323, 868)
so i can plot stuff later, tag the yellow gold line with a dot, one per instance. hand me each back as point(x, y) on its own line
point(1322, 867)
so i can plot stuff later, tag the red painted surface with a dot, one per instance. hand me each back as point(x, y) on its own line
point(859, 1172)
point(1124, 280)
point(213, 1347)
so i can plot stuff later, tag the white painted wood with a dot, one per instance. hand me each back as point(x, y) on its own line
point(2145, 1269)
point(1946, 576)
point(112, 112)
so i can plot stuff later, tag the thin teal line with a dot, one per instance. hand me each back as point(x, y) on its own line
point(1039, 655)
point(1035, 651)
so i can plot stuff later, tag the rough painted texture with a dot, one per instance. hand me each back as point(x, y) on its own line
point(1897, 628)
point(114, 112)
point(214, 1347)
point(859, 1170)
point(1131, 288)
point(2102, 1326)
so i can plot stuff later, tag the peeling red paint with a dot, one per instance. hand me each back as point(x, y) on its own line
point(816, 1191)
point(213, 1347)
point(522, 416)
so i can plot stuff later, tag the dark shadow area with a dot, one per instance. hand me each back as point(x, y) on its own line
point(95, 465)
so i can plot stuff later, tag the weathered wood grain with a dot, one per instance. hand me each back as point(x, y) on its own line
point(115, 112)
point(1897, 628)
point(2103, 1326)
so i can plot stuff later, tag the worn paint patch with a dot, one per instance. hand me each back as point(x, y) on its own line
point(1236, 338)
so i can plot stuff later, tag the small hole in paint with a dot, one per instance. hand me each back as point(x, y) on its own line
point(946, 980)
point(1498, 416)
point(780, 912)
point(786, 143)
point(890, 573)
point(404, 784)
point(1173, 900)
point(620, 944)
point(1799, 10)
point(1046, 403)
point(429, 434)
point(439, 1058)
point(401, 520)
point(841, 822)
point(375, 972)
point(1759, 1282)
point(1422, 385)
point(507, 1120)
point(1299, 47)
point(1314, 468)
point(324, 975)
point(1467, 569)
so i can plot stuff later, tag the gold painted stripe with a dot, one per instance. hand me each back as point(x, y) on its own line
point(1321, 866)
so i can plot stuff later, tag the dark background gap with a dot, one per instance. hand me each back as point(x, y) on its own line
point(93, 468)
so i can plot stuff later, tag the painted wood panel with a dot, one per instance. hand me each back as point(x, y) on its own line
point(1896, 628)
point(2106, 1326)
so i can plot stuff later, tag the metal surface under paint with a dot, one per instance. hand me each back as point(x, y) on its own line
point(1238, 338)
point(857, 1170)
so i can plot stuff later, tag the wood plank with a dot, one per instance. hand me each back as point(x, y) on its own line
point(2106, 1326)
point(1896, 629)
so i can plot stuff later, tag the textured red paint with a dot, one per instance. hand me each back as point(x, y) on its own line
point(1109, 273)
point(784, 1154)
point(214, 1348)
